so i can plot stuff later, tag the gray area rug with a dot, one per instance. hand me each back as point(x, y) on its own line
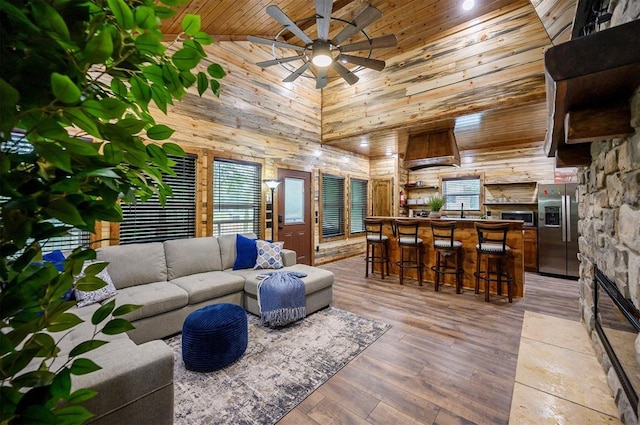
point(280, 368)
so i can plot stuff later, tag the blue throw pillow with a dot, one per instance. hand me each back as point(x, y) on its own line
point(246, 253)
point(56, 258)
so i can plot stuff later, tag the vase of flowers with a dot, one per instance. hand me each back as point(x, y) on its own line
point(435, 203)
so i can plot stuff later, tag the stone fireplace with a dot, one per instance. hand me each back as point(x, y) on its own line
point(609, 227)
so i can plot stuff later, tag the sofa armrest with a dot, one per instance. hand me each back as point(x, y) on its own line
point(289, 257)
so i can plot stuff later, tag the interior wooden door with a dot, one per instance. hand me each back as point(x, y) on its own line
point(295, 227)
point(381, 197)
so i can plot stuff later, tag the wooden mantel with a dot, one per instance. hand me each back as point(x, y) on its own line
point(589, 83)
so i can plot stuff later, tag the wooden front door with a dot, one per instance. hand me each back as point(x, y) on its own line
point(381, 198)
point(294, 213)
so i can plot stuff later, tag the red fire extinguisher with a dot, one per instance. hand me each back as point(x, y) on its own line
point(401, 197)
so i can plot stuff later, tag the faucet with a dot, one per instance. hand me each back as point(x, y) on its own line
point(462, 210)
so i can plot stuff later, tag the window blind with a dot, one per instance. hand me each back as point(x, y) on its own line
point(462, 191)
point(74, 237)
point(332, 206)
point(150, 222)
point(237, 197)
point(358, 205)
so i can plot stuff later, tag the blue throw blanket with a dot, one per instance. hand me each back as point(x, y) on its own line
point(281, 298)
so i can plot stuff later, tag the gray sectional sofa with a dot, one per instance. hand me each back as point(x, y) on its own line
point(170, 280)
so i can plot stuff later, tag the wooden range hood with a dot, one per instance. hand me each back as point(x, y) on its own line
point(431, 149)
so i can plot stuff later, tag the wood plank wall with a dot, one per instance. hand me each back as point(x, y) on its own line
point(496, 62)
point(557, 18)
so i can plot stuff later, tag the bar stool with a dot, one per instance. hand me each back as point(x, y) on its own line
point(407, 232)
point(492, 247)
point(446, 247)
point(375, 238)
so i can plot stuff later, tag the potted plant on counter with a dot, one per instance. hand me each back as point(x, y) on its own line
point(435, 204)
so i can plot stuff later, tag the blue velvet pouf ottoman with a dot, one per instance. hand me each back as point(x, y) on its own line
point(214, 337)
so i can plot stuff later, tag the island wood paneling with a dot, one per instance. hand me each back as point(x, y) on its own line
point(557, 18)
point(452, 76)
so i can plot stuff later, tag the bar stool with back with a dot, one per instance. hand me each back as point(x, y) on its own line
point(445, 247)
point(492, 246)
point(407, 232)
point(375, 238)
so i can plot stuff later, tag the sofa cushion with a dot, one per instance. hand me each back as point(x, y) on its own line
point(246, 252)
point(228, 249)
point(155, 298)
point(269, 255)
point(190, 256)
point(134, 264)
point(210, 285)
point(315, 280)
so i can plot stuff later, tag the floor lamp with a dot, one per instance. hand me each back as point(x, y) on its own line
point(272, 184)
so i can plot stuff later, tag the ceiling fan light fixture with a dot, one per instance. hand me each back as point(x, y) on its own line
point(321, 54)
point(468, 4)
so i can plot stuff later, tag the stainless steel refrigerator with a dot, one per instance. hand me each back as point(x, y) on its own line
point(558, 229)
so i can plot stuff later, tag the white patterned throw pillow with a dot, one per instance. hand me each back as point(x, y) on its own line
point(92, 297)
point(269, 255)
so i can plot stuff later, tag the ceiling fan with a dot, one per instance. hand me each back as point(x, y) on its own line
point(320, 54)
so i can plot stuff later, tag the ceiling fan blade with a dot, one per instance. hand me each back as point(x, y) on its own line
point(376, 64)
point(276, 13)
point(349, 76)
point(323, 18)
point(367, 16)
point(374, 43)
point(321, 78)
point(254, 39)
point(279, 61)
point(298, 72)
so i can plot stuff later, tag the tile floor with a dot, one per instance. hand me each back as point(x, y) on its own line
point(558, 378)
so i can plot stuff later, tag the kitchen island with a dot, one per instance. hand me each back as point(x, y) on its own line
point(466, 233)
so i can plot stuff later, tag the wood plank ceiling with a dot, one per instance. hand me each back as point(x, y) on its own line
point(480, 70)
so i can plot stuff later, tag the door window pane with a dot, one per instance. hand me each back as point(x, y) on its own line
point(293, 201)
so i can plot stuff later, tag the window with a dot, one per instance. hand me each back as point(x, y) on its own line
point(358, 205)
point(151, 222)
point(332, 206)
point(237, 197)
point(74, 237)
point(461, 191)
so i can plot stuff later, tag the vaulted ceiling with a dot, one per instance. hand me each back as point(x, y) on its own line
point(479, 70)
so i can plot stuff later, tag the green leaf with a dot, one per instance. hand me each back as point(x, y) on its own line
point(150, 44)
point(103, 312)
point(54, 155)
point(203, 38)
point(140, 90)
point(61, 385)
point(89, 283)
point(173, 149)
point(9, 96)
point(81, 395)
point(160, 97)
point(65, 212)
point(82, 147)
point(215, 87)
point(216, 71)
point(160, 132)
point(145, 17)
point(123, 14)
point(49, 19)
point(125, 308)
point(63, 89)
point(132, 125)
point(164, 12)
point(187, 78)
point(95, 268)
point(83, 366)
point(73, 415)
point(153, 72)
point(186, 58)
point(108, 108)
point(112, 154)
point(191, 24)
point(117, 326)
point(86, 346)
point(37, 378)
point(99, 48)
point(118, 87)
point(203, 83)
point(63, 321)
point(78, 117)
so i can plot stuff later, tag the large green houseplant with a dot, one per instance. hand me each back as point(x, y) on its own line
point(77, 78)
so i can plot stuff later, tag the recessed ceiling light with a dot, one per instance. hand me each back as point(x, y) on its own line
point(468, 4)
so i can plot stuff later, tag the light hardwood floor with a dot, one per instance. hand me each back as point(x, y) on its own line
point(449, 359)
